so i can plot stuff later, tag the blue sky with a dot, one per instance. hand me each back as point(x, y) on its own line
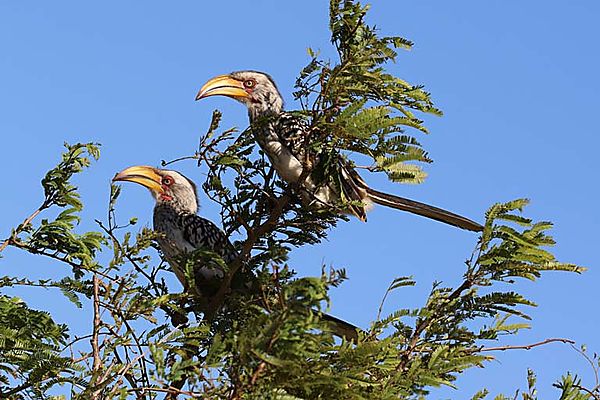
point(518, 83)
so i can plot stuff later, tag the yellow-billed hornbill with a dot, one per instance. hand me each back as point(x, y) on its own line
point(281, 136)
point(182, 231)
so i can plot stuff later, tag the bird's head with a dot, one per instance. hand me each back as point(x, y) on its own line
point(256, 90)
point(166, 186)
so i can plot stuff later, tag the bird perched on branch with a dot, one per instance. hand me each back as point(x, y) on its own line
point(282, 137)
point(182, 232)
point(181, 229)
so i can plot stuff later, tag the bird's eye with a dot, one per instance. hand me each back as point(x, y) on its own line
point(249, 83)
point(167, 181)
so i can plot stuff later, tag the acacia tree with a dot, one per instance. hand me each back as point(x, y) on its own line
point(146, 340)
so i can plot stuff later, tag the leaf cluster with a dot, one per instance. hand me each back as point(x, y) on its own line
point(255, 201)
point(56, 238)
point(355, 106)
point(569, 385)
point(30, 351)
point(271, 339)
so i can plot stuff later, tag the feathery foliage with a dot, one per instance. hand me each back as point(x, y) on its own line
point(354, 104)
point(270, 339)
point(30, 351)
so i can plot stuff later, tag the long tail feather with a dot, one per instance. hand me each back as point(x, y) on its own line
point(353, 190)
point(356, 189)
point(342, 328)
point(401, 203)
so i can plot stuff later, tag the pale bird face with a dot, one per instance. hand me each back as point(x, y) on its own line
point(255, 89)
point(177, 186)
point(166, 186)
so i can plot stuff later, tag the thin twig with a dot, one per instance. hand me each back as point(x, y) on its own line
point(253, 236)
point(127, 255)
point(15, 390)
point(424, 324)
point(590, 392)
point(121, 373)
point(138, 343)
point(590, 361)
point(380, 310)
point(257, 372)
point(23, 225)
point(168, 390)
point(57, 257)
point(164, 163)
point(526, 346)
point(94, 341)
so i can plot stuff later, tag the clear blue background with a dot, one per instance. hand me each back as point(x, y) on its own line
point(518, 82)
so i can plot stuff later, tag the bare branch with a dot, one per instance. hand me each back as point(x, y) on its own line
point(526, 346)
point(170, 390)
point(591, 362)
point(590, 392)
point(94, 340)
point(24, 224)
point(121, 373)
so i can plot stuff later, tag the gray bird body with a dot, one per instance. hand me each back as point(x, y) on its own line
point(282, 136)
point(183, 233)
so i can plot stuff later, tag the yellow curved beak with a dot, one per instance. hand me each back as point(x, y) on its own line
point(223, 85)
point(144, 175)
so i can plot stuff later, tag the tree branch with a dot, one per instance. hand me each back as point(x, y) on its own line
point(94, 340)
point(588, 391)
point(253, 236)
point(24, 224)
point(424, 324)
point(526, 346)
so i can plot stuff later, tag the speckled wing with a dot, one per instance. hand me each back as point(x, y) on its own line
point(201, 233)
point(292, 130)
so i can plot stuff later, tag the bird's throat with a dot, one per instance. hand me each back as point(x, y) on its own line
point(166, 197)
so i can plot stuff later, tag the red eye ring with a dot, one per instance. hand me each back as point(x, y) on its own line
point(167, 181)
point(249, 83)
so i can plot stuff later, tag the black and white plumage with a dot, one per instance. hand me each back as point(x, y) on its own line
point(181, 230)
point(283, 138)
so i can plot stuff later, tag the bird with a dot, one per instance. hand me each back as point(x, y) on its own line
point(181, 231)
point(281, 135)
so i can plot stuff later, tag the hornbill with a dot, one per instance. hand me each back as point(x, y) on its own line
point(182, 231)
point(281, 136)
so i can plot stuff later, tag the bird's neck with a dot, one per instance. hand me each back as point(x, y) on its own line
point(269, 107)
point(166, 218)
point(175, 207)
